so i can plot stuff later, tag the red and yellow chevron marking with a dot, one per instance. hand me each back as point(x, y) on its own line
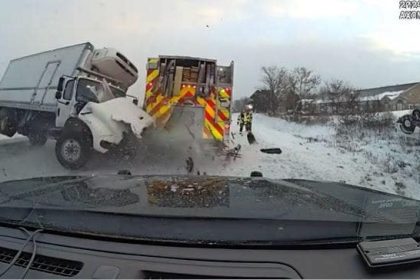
point(225, 93)
point(151, 78)
point(221, 114)
point(150, 81)
point(215, 117)
point(212, 129)
point(159, 106)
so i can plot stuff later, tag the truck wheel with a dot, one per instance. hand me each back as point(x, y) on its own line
point(406, 124)
point(73, 150)
point(37, 139)
point(7, 125)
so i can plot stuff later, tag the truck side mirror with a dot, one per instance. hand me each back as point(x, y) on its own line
point(136, 101)
point(58, 95)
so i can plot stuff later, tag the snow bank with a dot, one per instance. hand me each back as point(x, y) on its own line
point(314, 152)
point(6, 139)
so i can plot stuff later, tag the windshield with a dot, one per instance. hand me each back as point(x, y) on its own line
point(93, 91)
point(237, 210)
point(117, 92)
point(290, 111)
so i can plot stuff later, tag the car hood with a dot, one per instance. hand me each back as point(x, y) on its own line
point(210, 196)
point(207, 210)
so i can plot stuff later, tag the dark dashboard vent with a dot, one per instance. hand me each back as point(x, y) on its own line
point(148, 274)
point(46, 264)
point(169, 275)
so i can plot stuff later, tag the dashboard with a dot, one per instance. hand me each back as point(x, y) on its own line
point(63, 256)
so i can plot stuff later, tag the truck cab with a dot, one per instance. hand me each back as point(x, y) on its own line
point(93, 114)
point(74, 93)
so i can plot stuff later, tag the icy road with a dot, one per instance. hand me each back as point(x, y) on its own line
point(309, 152)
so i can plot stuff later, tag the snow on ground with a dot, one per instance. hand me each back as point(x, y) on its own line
point(309, 152)
point(401, 113)
point(314, 152)
point(16, 138)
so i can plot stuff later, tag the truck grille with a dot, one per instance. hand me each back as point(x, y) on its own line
point(46, 264)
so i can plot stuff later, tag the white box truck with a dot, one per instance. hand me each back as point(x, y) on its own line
point(75, 95)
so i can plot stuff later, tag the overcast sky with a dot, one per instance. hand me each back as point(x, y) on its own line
point(362, 42)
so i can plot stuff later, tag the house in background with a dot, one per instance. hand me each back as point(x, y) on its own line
point(380, 99)
point(391, 98)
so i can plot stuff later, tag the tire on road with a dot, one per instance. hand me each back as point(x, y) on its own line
point(73, 149)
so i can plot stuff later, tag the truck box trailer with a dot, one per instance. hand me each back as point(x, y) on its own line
point(75, 94)
point(31, 82)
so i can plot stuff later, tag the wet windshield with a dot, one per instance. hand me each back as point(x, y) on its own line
point(274, 111)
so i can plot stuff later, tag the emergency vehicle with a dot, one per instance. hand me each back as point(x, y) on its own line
point(191, 93)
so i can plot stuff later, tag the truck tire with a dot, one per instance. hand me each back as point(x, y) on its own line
point(37, 139)
point(73, 149)
point(7, 125)
point(406, 124)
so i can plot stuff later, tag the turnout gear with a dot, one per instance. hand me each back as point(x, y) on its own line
point(245, 119)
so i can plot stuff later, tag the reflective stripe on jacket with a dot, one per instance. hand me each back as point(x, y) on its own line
point(245, 118)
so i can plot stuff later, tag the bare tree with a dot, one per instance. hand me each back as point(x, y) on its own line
point(343, 100)
point(339, 95)
point(284, 89)
point(272, 77)
point(351, 103)
point(273, 80)
point(304, 82)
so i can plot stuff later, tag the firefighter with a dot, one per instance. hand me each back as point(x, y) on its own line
point(245, 119)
